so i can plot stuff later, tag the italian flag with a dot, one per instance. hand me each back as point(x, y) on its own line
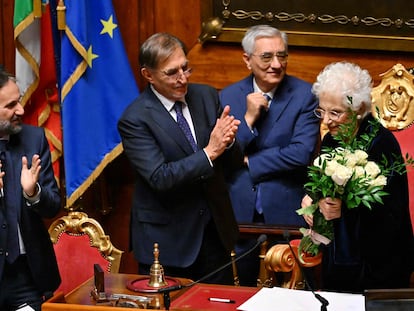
point(36, 71)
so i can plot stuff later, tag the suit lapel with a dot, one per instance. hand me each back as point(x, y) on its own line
point(162, 117)
point(278, 105)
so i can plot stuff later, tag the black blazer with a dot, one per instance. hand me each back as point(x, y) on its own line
point(177, 191)
point(39, 249)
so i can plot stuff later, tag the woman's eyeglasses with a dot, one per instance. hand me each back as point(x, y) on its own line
point(332, 115)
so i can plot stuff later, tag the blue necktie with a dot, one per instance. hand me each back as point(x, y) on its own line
point(183, 124)
point(9, 203)
point(258, 205)
point(268, 98)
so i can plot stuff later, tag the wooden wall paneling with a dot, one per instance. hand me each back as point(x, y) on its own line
point(220, 64)
point(127, 13)
point(7, 35)
point(180, 18)
point(1, 33)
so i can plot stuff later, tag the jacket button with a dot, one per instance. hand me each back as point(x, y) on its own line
point(254, 188)
point(1, 252)
point(4, 226)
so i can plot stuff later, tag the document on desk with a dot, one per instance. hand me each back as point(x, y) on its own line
point(276, 298)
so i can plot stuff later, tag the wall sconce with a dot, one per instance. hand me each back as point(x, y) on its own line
point(210, 29)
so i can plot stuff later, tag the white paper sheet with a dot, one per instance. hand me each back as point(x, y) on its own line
point(282, 299)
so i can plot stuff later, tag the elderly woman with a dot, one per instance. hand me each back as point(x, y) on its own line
point(371, 248)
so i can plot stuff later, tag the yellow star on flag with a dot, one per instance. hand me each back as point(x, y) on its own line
point(91, 56)
point(108, 26)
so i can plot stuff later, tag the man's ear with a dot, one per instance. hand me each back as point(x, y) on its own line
point(147, 74)
point(246, 59)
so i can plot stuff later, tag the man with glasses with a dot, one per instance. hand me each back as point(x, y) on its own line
point(178, 139)
point(278, 133)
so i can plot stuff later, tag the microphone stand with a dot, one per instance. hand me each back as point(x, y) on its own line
point(324, 302)
point(167, 290)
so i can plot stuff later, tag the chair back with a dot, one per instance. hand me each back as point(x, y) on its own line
point(79, 243)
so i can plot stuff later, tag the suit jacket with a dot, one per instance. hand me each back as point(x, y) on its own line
point(177, 191)
point(39, 249)
point(279, 150)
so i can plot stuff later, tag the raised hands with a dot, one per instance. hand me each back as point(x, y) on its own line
point(30, 176)
point(223, 134)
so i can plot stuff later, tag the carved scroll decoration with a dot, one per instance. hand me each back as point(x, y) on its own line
point(78, 223)
point(313, 17)
point(393, 98)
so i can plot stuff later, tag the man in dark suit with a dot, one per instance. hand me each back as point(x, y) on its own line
point(181, 200)
point(28, 193)
point(278, 133)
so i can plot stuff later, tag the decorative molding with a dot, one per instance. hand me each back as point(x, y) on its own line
point(354, 24)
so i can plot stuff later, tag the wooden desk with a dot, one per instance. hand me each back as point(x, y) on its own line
point(115, 283)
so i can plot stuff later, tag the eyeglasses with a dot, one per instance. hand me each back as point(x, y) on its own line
point(332, 115)
point(267, 57)
point(176, 73)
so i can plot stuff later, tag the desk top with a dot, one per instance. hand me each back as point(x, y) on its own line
point(194, 298)
point(197, 297)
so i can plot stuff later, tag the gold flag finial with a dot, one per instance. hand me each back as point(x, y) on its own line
point(61, 15)
point(37, 8)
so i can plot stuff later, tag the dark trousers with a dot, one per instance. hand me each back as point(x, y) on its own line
point(17, 287)
point(212, 256)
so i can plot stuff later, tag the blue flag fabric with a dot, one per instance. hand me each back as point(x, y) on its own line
point(97, 84)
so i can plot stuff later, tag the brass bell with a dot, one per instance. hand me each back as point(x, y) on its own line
point(157, 271)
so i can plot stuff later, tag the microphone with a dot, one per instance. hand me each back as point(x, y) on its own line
point(324, 302)
point(166, 290)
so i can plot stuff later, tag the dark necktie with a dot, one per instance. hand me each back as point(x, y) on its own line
point(258, 205)
point(268, 98)
point(9, 203)
point(183, 124)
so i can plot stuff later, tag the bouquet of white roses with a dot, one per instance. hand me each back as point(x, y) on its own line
point(344, 173)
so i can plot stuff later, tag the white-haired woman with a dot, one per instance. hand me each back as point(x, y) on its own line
point(371, 248)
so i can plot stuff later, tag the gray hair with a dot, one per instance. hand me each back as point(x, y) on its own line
point(346, 80)
point(157, 48)
point(261, 31)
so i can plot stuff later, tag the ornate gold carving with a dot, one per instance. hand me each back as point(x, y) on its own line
point(340, 19)
point(392, 99)
point(324, 18)
point(279, 258)
point(78, 223)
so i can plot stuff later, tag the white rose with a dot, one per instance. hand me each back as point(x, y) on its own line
point(341, 175)
point(331, 167)
point(351, 159)
point(372, 169)
point(359, 172)
point(362, 157)
point(380, 181)
point(358, 157)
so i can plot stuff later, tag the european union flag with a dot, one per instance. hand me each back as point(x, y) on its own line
point(97, 85)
